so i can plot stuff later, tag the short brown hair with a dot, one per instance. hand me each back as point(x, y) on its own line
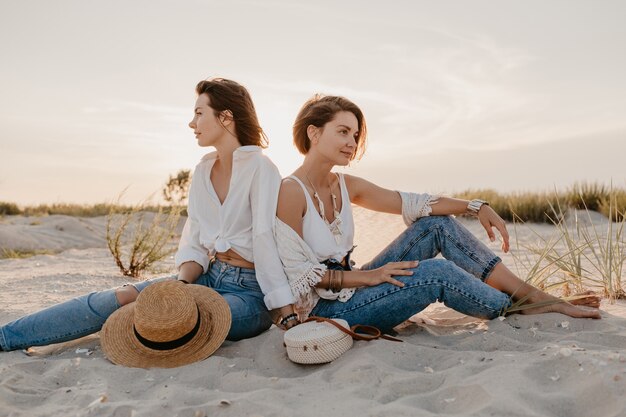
point(228, 95)
point(318, 111)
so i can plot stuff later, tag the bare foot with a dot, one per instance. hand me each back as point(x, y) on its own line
point(560, 306)
point(592, 299)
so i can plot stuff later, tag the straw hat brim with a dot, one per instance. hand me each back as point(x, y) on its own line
point(121, 346)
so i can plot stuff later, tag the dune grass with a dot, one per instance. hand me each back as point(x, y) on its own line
point(537, 207)
point(9, 209)
point(614, 207)
point(79, 210)
point(21, 254)
point(582, 254)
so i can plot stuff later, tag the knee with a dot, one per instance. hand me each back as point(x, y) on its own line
point(441, 222)
point(437, 266)
point(126, 294)
point(433, 271)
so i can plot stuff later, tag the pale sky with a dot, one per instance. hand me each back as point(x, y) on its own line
point(95, 96)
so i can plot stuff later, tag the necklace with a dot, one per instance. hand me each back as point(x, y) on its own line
point(334, 226)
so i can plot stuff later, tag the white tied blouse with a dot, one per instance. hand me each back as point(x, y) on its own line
point(244, 222)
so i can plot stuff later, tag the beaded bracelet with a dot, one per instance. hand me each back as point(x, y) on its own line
point(287, 319)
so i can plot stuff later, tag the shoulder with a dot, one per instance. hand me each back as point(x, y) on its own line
point(353, 184)
point(207, 160)
point(292, 204)
point(265, 163)
point(349, 179)
point(291, 195)
point(290, 188)
point(254, 157)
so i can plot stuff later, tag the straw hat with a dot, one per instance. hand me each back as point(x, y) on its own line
point(170, 324)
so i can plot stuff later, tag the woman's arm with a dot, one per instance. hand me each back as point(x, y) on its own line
point(373, 197)
point(189, 272)
point(370, 196)
point(269, 269)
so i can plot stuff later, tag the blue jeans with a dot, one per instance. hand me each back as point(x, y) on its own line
point(457, 281)
point(85, 315)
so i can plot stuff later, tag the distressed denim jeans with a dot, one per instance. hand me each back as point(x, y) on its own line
point(85, 315)
point(457, 280)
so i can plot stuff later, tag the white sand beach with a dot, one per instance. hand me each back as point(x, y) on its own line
point(448, 364)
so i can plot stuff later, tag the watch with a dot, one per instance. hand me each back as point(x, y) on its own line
point(474, 206)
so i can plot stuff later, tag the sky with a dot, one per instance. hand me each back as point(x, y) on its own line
point(508, 95)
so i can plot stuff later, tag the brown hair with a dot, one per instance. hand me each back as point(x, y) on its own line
point(318, 111)
point(228, 95)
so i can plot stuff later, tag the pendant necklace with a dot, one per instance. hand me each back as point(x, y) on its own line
point(334, 226)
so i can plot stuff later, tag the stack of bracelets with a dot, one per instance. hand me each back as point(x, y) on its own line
point(335, 281)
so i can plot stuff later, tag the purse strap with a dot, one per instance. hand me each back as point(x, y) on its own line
point(364, 332)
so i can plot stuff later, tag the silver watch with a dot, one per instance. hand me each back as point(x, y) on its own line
point(474, 206)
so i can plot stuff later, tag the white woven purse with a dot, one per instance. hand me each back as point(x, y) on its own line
point(317, 342)
point(322, 340)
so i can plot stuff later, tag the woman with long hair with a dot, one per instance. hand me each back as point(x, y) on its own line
point(315, 231)
point(227, 242)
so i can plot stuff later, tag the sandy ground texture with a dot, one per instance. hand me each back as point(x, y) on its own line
point(449, 364)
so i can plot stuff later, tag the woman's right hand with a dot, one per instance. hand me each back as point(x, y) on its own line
point(386, 273)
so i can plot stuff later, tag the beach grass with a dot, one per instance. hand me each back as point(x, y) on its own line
point(587, 195)
point(614, 206)
point(21, 254)
point(9, 209)
point(79, 210)
point(537, 207)
point(584, 253)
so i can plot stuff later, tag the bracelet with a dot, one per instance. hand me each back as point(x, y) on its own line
point(331, 274)
point(473, 207)
point(336, 283)
point(287, 319)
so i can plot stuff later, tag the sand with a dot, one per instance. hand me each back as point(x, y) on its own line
point(448, 364)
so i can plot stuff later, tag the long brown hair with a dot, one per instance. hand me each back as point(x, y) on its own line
point(227, 95)
point(318, 111)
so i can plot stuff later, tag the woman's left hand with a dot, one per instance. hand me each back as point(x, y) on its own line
point(490, 219)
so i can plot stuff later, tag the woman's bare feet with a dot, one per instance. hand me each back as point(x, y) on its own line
point(550, 304)
point(588, 299)
point(503, 279)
